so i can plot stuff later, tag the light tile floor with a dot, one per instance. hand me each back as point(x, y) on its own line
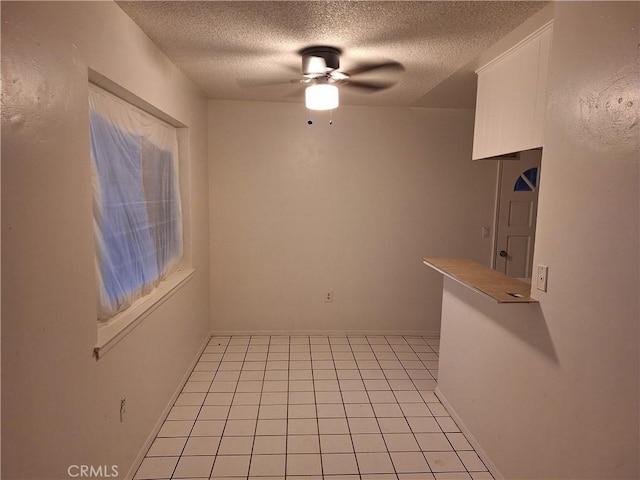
point(312, 408)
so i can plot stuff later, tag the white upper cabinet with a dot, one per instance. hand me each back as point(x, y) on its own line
point(512, 92)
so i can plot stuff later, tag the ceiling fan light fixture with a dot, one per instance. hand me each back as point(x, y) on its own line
point(321, 96)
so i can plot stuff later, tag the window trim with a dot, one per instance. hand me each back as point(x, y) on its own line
point(119, 326)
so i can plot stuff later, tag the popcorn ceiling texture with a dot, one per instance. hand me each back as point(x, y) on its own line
point(223, 46)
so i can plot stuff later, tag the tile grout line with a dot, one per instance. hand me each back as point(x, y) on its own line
point(345, 410)
point(209, 391)
point(255, 428)
point(425, 404)
point(286, 420)
point(226, 420)
point(384, 440)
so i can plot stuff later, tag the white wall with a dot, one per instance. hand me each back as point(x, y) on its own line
point(59, 405)
point(551, 391)
point(297, 210)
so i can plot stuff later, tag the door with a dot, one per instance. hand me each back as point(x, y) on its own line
point(517, 210)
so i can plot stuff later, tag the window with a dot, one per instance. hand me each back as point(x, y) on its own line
point(527, 181)
point(137, 212)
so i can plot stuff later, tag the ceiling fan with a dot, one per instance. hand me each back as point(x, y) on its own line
point(322, 76)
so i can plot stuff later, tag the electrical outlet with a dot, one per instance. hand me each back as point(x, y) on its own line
point(541, 281)
point(328, 297)
point(123, 408)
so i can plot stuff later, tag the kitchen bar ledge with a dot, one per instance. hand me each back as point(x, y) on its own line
point(495, 285)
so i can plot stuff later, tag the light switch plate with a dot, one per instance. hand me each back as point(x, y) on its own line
point(541, 282)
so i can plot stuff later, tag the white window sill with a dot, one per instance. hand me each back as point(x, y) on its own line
point(118, 327)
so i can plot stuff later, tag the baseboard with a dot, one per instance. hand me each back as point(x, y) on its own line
point(467, 433)
point(394, 333)
point(152, 436)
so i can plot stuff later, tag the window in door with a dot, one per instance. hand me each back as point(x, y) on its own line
point(527, 181)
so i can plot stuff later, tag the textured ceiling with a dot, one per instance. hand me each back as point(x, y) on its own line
point(231, 49)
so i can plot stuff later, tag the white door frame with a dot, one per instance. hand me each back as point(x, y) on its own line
point(496, 215)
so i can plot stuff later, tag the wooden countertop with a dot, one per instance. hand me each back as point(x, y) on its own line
point(482, 279)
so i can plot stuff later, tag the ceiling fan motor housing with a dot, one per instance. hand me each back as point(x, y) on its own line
point(320, 60)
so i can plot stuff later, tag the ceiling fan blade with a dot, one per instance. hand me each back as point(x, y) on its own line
point(370, 67)
point(293, 70)
point(369, 87)
point(297, 94)
point(251, 83)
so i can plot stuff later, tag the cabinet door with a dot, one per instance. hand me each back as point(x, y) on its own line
point(511, 98)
